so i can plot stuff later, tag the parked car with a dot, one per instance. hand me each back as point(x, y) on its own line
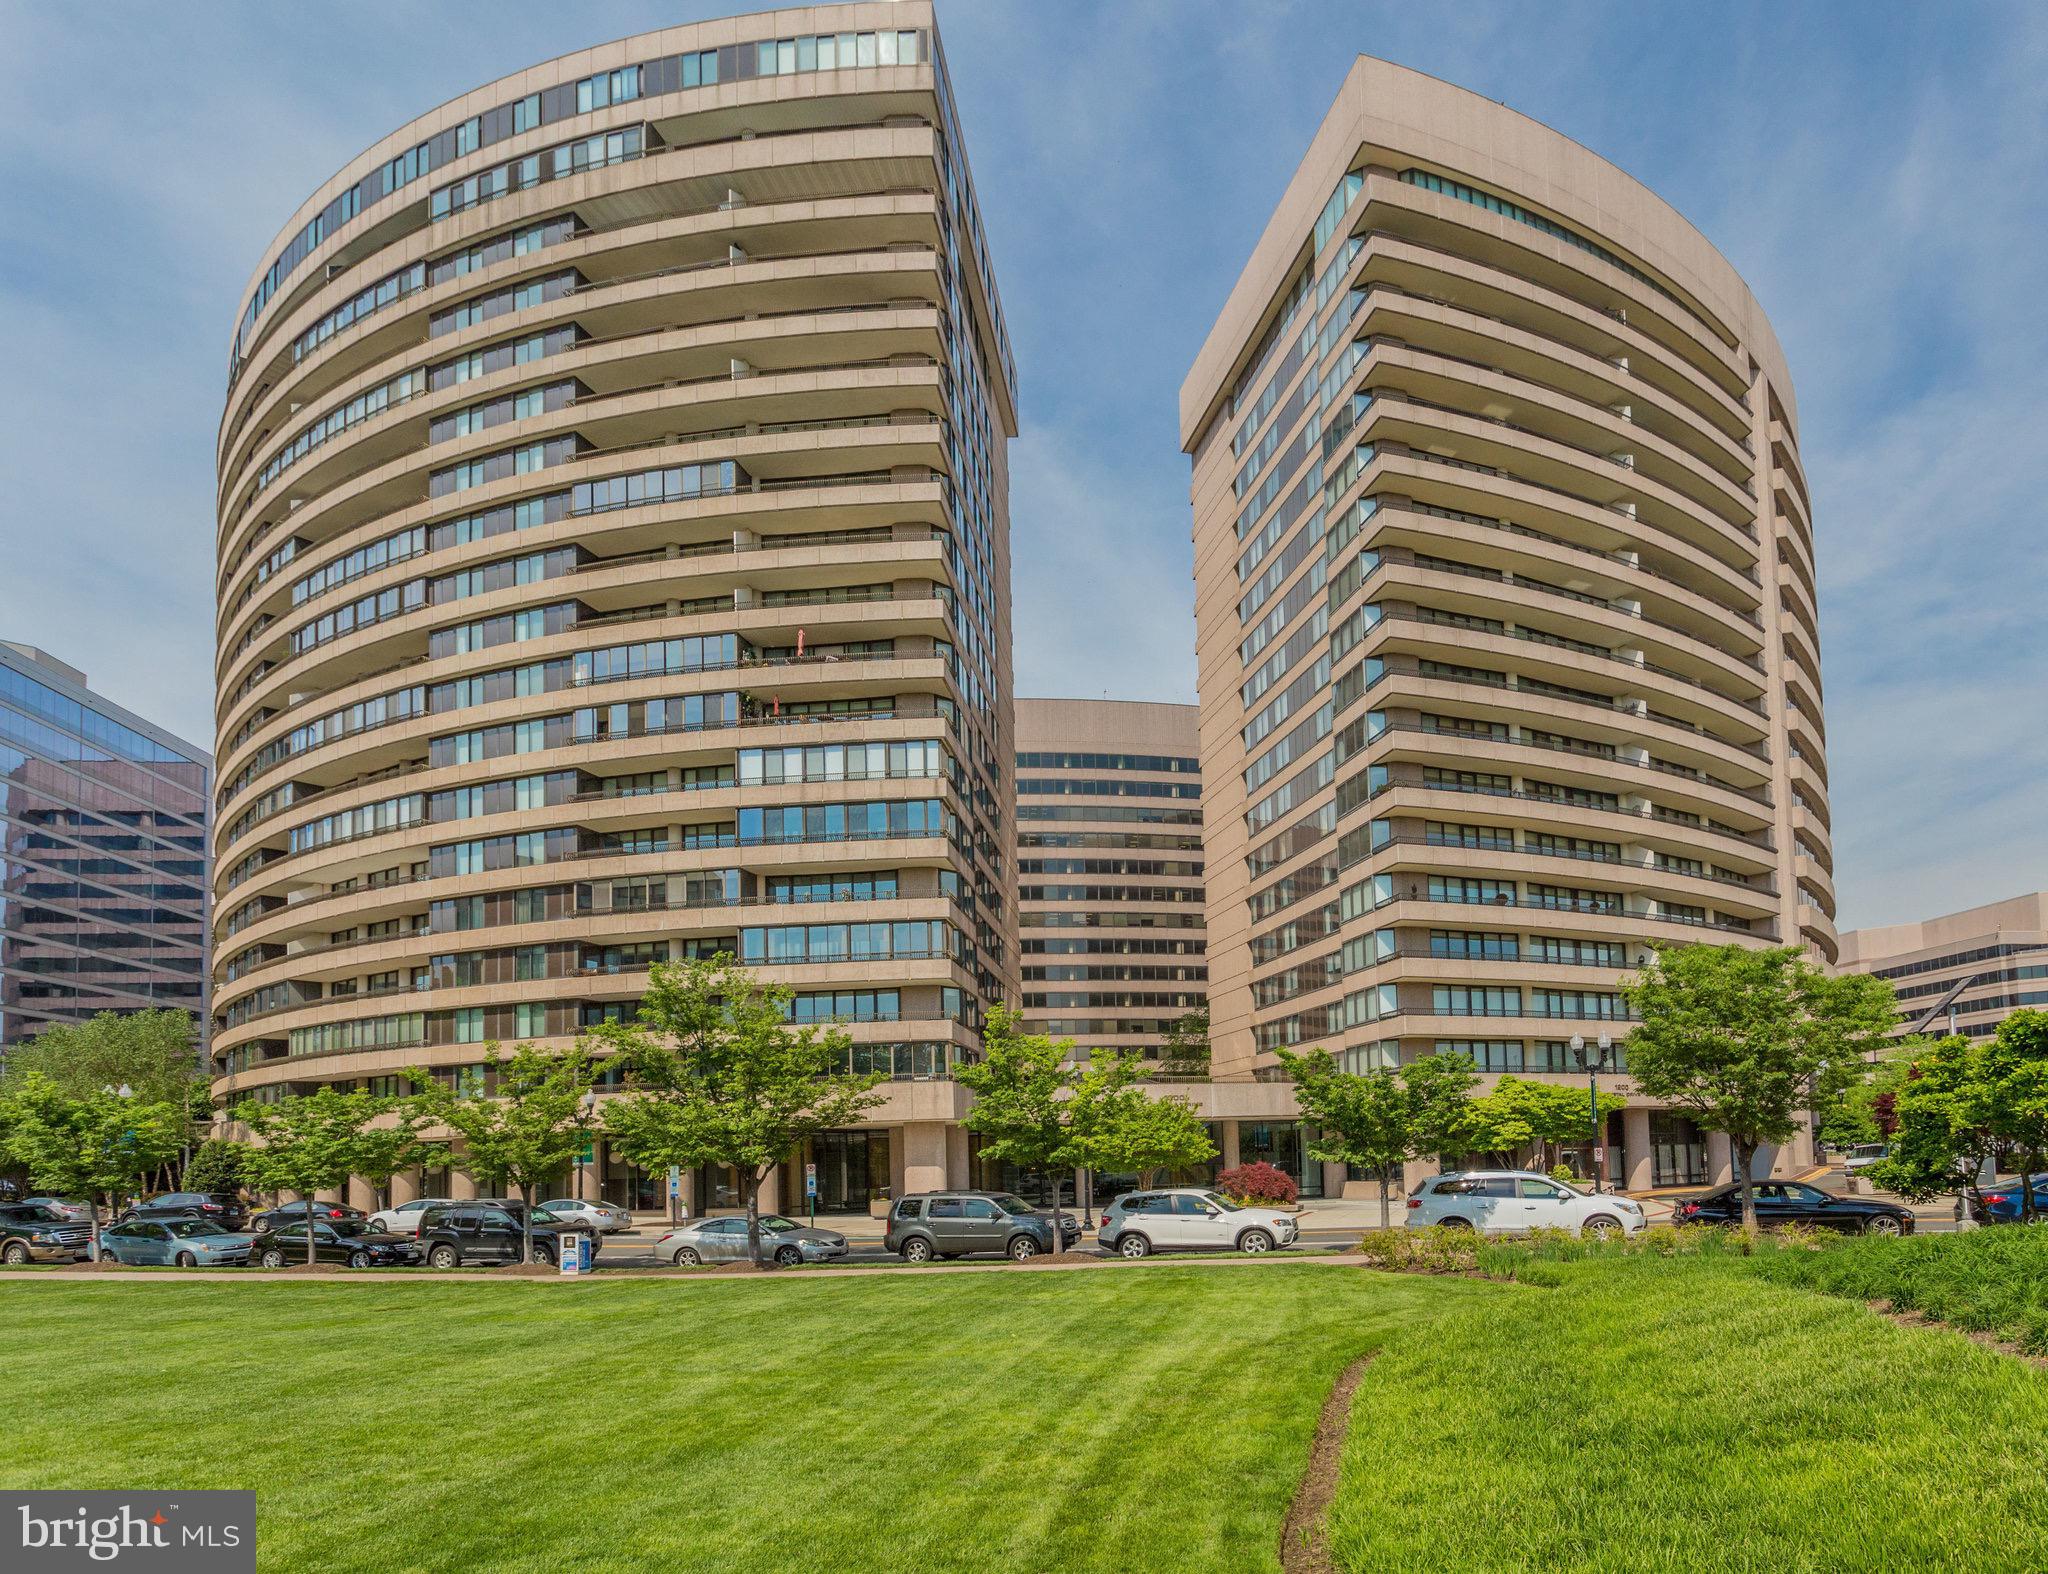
point(1190, 1218)
point(403, 1218)
point(78, 1212)
point(491, 1232)
point(952, 1224)
point(349, 1241)
point(2002, 1203)
point(1795, 1202)
point(599, 1216)
point(725, 1240)
point(1508, 1202)
point(223, 1207)
point(1865, 1154)
point(34, 1232)
point(295, 1212)
point(177, 1243)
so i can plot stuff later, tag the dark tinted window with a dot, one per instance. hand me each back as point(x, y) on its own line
point(1494, 1186)
point(978, 1208)
point(946, 1208)
point(1190, 1205)
point(907, 1208)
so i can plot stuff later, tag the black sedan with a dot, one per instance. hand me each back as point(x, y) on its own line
point(293, 1212)
point(1794, 1202)
point(348, 1241)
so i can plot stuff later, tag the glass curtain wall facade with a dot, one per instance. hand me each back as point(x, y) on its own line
point(102, 854)
point(1506, 617)
point(614, 566)
point(1973, 968)
point(1109, 860)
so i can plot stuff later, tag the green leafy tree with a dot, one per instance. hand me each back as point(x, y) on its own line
point(1362, 1118)
point(1441, 1115)
point(308, 1143)
point(1746, 1039)
point(219, 1164)
point(150, 1052)
point(1518, 1113)
point(1185, 1054)
point(1119, 1126)
point(97, 1144)
point(1964, 1103)
point(1938, 1146)
point(526, 1131)
point(395, 1141)
point(717, 1074)
point(2008, 1095)
point(1023, 1110)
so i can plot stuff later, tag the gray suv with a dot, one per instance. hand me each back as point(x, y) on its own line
point(954, 1223)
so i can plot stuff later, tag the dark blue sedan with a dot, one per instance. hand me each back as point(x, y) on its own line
point(2002, 1203)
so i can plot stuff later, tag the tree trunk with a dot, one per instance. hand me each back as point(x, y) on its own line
point(311, 1258)
point(95, 1241)
point(1052, 1178)
point(1385, 1222)
point(2029, 1162)
point(752, 1179)
point(526, 1223)
point(1745, 1154)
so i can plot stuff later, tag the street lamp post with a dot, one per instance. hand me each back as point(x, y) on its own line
point(1593, 1062)
point(589, 1106)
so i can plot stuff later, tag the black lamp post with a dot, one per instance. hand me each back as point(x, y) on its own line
point(1594, 1059)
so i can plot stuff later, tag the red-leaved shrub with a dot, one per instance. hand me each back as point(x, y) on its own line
point(1259, 1182)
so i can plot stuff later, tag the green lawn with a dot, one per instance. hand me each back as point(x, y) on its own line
point(1633, 1414)
point(1989, 1281)
point(1652, 1414)
point(1131, 1419)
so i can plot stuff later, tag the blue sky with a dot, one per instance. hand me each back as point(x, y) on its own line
point(1879, 174)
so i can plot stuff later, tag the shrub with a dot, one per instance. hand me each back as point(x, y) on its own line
point(1562, 1174)
point(1259, 1182)
point(1434, 1250)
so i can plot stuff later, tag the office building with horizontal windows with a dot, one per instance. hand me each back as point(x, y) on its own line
point(1109, 871)
point(102, 854)
point(1507, 637)
point(614, 568)
point(1963, 972)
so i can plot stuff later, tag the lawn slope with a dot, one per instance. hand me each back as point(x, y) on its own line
point(1129, 1420)
point(1648, 1414)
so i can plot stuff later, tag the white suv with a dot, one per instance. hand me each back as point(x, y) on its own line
point(1507, 1202)
point(1140, 1222)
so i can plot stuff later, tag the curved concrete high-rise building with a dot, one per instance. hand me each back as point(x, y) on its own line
point(1506, 609)
point(614, 566)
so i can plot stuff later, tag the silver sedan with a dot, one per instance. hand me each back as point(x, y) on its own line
point(179, 1243)
point(783, 1241)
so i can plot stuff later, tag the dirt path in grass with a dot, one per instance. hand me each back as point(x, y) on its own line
point(1305, 1533)
point(1989, 1340)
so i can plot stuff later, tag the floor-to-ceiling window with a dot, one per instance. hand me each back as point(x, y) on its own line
point(853, 1172)
point(1678, 1153)
point(1282, 1144)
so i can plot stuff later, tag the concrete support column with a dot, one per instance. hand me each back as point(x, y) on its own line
point(1334, 1177)
point(1635, 1142)
point(1720, 1159)
point(771, 1191)
point(1230, 1150)
point(361, 1194)
point(1413, 1173)
point(461, 1187)
point(897, 1141)
point(405, 1186)
point(924, 1156)
point(957, 1166)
